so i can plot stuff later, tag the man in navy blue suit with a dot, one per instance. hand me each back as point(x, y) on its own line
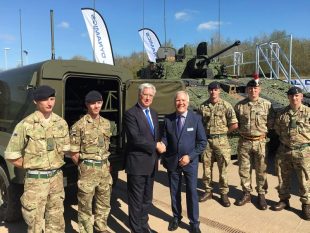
point(185, 139)
point(142, 131)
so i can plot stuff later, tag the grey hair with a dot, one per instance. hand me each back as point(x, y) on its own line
point(146, 85)
point(182, 92)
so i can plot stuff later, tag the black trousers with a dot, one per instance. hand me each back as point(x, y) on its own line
point(140, 195)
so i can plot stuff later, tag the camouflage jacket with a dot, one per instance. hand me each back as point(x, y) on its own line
point(255, 118)
point(91, 138)
point(217, 118)
point(292, 127)
point(41, 143)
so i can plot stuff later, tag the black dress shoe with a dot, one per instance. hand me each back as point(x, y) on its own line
point(174, 224)
point(149, 230)
point(195, 229)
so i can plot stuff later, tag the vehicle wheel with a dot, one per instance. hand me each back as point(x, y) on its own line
point(114, 177)
point(10, 206)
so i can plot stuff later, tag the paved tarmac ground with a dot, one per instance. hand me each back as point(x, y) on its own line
point(214, 218)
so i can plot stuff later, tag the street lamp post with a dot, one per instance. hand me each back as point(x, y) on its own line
point(5, 57)
point(26, 55)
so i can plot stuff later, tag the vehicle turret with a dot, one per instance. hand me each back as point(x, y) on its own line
point(203, 66)
point(194, 67)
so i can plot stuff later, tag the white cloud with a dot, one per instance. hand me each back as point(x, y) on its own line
point(7, 37)
point(211, 25)
point(182, 16)
point(64, 25)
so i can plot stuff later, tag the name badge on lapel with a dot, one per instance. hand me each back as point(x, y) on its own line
point(190, 129)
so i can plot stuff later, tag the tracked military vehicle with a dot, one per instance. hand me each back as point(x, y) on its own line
point(197, 71)
point(72, 80)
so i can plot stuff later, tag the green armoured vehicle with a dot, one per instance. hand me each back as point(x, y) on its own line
point(197, 71)
point(71, 80)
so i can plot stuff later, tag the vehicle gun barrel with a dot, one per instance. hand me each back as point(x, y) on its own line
point(237, 42)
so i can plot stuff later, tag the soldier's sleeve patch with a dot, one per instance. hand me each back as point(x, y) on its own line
point(73, 132)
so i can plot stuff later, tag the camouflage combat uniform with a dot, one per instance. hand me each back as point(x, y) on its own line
point(255, 118)
point(293, 153)
point(91, 138)
point(41, 143)
point(216, 120)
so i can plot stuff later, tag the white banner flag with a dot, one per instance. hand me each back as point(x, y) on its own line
point(151, 43)
point(99, 36)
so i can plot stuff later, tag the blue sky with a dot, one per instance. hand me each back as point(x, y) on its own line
point(187, 21)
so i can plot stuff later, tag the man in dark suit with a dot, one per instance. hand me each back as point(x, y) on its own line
point(142, 131)
point(185, 139)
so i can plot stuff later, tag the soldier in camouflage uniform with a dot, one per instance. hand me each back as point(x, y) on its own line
point(37, 145)
point(293, 127)
point(219, 118)
point(90, 139)
point(255, 116)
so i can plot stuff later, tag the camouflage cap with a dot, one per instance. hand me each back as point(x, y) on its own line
point(93, 96)
point(294, 91)
point(43, 92)
point(214, 85)
point(253, 83)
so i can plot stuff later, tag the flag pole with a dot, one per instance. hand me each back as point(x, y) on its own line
point(21, 38)
point(94, 47)
point(143, 32)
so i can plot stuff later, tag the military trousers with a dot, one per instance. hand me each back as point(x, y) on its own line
point(253, 154)
point(290, 160)
point(95, 183)
point(42, 204)
point(218, 149)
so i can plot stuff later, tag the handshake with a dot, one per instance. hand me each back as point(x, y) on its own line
point(160, 147)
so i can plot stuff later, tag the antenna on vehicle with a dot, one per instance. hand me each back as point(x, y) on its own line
point(219, 22)
point(52, 34)
point(165, 22)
